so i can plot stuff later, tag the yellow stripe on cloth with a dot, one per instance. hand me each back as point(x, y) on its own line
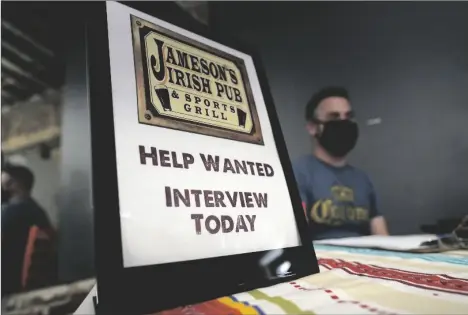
point(239, 306)
point(287, 306)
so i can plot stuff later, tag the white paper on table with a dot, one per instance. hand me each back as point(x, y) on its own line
point(87, 306)
point(399, 243)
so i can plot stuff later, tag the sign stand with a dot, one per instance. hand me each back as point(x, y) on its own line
point(95, 304)
point(193, 189)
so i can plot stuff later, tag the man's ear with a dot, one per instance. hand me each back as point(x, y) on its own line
point(311, 128)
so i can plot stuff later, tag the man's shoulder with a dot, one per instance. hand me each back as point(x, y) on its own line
point(28, 210)
point(41, 217)
point(11, 207)
point(359, 173)
point(305, 161)
point(11, 213)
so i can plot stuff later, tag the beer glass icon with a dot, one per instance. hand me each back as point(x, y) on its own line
point(242, 117)
point(163, 95)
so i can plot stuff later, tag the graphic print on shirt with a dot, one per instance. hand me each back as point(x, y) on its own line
point(339, 208)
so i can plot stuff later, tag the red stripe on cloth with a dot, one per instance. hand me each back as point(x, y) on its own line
point(338, 300)
point(437, 282)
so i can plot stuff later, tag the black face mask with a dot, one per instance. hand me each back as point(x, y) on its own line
point(338, 137)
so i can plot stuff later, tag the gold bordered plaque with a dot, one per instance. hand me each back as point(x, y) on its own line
point(186, 85)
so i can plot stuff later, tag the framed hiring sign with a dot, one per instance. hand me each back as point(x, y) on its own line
point(193, 189)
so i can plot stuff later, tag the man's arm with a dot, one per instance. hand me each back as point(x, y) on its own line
point(378, 226)
point(302, 186)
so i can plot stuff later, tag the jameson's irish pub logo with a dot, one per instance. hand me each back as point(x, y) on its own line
point(186, 85)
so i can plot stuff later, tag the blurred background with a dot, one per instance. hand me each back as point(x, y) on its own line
point(406, 67)
point(404, 63)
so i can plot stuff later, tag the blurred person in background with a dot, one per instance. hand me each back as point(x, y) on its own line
point(4, 193)
point(19, 213)
point(339, 200)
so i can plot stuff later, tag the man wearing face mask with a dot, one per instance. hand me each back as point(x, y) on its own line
point(19, 213)
point(5, 196)
point(339, 199)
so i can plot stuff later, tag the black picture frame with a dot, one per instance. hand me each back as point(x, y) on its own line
point(147, 289)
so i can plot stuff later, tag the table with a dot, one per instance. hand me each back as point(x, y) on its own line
point(357, 281)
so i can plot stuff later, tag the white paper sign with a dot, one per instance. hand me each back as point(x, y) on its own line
point(181, 101)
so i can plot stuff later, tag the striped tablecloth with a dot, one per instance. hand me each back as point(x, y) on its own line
point(358, 281)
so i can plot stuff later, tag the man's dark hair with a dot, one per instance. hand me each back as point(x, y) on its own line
point(22, 175)
point(331, 91)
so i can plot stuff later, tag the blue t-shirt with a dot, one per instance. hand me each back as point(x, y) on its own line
point(338, 201)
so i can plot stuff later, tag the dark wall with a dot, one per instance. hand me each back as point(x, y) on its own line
point(403, 62)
